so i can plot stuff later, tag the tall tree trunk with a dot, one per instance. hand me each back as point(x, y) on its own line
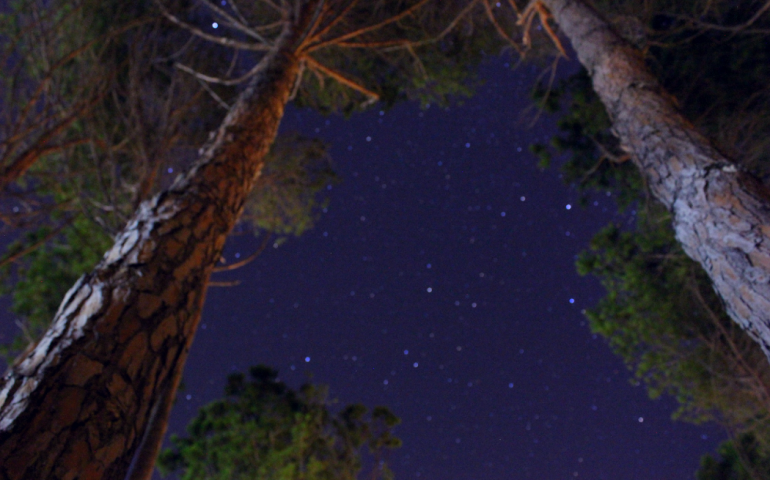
point(77, 405)
point(721, 214)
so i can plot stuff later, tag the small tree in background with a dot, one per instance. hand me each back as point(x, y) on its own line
point(264, 430)
point(739, 459)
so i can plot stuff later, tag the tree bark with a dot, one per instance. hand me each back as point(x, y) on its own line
point(721, 214)
point(77, 405)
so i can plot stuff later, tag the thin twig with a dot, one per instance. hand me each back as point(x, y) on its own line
point(449, 27)
point(382, 44)
point(246, 260)
point(273, 5)
point(735, 28)
point(547, 91)
point(213, 94)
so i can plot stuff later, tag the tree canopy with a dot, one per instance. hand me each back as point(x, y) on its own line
point(83, 159)
point(151, 284)
point(264, 430)
point(159, 78)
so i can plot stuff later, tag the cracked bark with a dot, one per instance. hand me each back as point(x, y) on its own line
point(77, 405)
point(721, 214)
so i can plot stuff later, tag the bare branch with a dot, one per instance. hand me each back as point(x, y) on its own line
point(548, 89)
point(735, 28)
point(317, 16)
point(64, 60)
point(544, 16)
point(26, 159)
point(246, 260)
point(224, 41)
point(383, 44)
point(525, 20)
point(514, 7)
point(417, 61)
point(314, 65)
point(241, 18)
point(536, 8)
point(334, 21)
point(500, 30)
point(233, 283)
point(213, 94)
point(298, 81)
point(16, 256)
point(272, 5)
point(223, 81)
point(465, 11)
point(370, 28)
point(235, 23)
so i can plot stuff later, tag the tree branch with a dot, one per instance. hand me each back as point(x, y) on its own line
point(334, 21)
point(233, 283)
point(223, 81)
point(314, 65)
point(235, 23)
point(465, 11)
point(246, 260)
point(500, 30)
point(16, 256)
point(736, 28)
point(219, 40)
point(370, 28)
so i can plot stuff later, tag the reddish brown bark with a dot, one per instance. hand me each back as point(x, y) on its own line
point(721, 214)
point(77, 405)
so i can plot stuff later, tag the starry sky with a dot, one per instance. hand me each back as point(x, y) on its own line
point(440, 282)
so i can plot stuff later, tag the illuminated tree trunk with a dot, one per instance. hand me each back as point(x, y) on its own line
point(78, 404)
point(721, 214)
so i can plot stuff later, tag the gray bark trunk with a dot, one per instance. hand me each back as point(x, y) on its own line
point(721, 214)
point(78, 404)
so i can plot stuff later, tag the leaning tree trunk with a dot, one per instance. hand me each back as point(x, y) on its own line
point(77, 405)
point(721, 214)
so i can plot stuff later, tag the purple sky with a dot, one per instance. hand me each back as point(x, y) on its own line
point(441, 283)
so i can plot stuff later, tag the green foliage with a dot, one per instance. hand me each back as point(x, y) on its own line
point(264, 430)
point(662, 317)
point(740, 459)
point(289, 192)
point(433, 69)
point(594, 161)
point(40, 281)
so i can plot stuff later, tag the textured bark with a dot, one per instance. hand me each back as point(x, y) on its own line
point(78, 404)
point(721, 214)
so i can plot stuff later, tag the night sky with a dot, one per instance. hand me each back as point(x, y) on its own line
point(441, 283)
